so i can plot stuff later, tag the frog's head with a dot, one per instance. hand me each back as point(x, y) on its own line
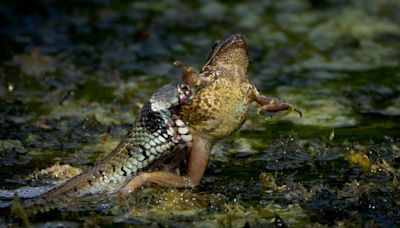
point(230, 53)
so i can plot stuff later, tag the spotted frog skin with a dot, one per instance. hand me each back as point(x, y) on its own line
point(218, 109)
point(157, 134)
point(226, 92)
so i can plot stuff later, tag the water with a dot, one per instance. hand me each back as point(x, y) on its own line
point(73, 76)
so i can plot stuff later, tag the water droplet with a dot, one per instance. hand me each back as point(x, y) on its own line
point(10, 87)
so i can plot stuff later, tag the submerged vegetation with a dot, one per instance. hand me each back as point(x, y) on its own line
point(74, 75)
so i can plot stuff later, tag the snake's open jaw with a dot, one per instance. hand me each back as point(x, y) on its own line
point(184, 132)
point(182, 129)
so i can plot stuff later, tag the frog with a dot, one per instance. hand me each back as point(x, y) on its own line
point(219, 108)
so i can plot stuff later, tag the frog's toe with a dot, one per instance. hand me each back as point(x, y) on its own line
point(298, 111)
point(276, 114)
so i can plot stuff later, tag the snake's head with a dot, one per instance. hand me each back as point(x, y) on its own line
point(171, 98)
point(161, 114)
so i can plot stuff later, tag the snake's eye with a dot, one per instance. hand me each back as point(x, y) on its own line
point(184, 88)
point(185, 92)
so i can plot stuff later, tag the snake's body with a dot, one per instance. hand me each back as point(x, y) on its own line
point(157, 134)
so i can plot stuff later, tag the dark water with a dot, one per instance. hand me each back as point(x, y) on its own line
point(74, 73)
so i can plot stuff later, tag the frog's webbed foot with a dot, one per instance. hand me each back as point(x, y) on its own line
point(274, 107)
point(189, 76)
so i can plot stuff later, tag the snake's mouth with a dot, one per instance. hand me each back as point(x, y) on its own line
point(184, 97)
point(184, 132)
point(181, 128)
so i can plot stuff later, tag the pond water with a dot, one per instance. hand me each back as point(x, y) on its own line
point(74, 75)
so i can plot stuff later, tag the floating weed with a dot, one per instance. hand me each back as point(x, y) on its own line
point(359, 159)
point(166, 203)
point(177, 199)
point(13, 152)
point(353, 190)
point(267, 182)
point(383, 166)
point(56, 172)
point(234, 216)
point(293, 214)
point(17, 212)
point(34, 63)
point(317, 110)
point(350, 22)
point(104, 115)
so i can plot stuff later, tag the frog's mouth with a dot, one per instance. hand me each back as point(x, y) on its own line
point(236, 40)
point(231, 51)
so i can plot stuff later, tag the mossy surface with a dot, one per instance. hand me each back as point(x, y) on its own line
point(74, 75)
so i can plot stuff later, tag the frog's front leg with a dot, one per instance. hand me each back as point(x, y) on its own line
point(197, 164)
point(274, 107)
point(189, 76)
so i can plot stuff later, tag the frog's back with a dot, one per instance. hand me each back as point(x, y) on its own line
point(220, 108)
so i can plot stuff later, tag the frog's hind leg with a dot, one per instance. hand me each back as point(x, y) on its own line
point(163, 178)
point(197, 164)
point(274, 107)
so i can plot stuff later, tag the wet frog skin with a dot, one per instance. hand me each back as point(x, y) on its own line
point(219, 108)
